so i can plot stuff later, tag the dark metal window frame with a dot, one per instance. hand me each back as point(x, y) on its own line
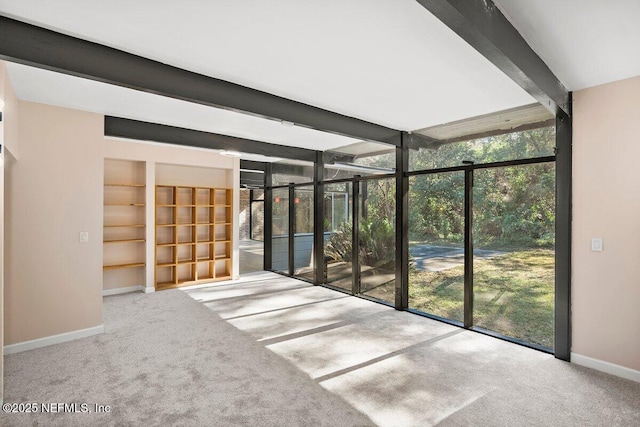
point(402, 175)
point(560, 304)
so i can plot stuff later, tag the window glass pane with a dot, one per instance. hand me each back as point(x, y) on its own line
point(280, 237)
point(378, 239)
point(337, 235)
point(514, 231)
point(363, 158)
point(257, 221)
point(436, 244)
point(297, 172)
point(303, 238)
point(510, 146)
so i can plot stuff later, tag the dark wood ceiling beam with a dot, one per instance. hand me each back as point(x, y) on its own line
point(252, 165)
point(39, 47)
point(251, 178)
point(134, 129)
point(481, 24)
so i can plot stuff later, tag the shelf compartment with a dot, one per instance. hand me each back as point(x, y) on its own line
point(165, 235)
point(204, 271)
point(222, 250)
point(186, 233)
point(222, 268)
point(118, 266)
point(204, 215)
point(165, 255)
point(222, 232)
point(165, 216)
point(124, 196)
point(185, 196)
point(222, 196)
point(165, 195)
point(165, 275)
point(123, 233)
point(186, 272)
point(185, 215)
point(204, 251)
point(204, 196)
point(166, 264)
point(185, 253)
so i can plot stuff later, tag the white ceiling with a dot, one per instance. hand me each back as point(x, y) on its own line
point(584, 42)
point(386, 61)
point(38, 85)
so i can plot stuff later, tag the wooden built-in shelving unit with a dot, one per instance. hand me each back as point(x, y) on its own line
point(193, 235)
point(124, 224)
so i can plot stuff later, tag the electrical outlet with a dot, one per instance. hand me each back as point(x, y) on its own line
point(596, 244)
point(84, 236)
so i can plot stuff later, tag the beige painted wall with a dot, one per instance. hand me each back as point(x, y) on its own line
point(606, 203)
point(53, 283)
point(165, 153)
point(9, 124)
point(9, 142)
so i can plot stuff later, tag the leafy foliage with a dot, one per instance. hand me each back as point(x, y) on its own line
point(377, 243)
point(513, 206)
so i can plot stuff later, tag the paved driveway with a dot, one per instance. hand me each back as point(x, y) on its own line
point(439, 258)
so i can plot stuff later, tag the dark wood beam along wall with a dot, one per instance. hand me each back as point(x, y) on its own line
point(39, 47)
point(486, 29)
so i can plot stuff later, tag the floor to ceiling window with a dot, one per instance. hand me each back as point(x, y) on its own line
point(503, 188)
point(360, 209)
point(377, 238)
point(436, 236)
point(338, 230)
point(481, 229)
point(513, 259)
point(280, 236)
point(303, 232)
point(293, 219)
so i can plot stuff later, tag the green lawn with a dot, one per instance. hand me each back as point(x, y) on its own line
point(513, 294)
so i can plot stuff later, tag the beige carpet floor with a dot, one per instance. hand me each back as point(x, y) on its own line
point(166, 360)
point(270, 350)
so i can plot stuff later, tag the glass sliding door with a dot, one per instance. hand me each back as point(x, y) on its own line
point(513, 262)
point(436, 244)
point(338, 226)
point(303, 233)
point(280, 237)
point(377, 238)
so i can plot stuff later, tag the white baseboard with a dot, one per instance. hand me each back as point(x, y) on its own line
point(116, 291)
point(53, 339)
point(609, 368)
point(148, 289)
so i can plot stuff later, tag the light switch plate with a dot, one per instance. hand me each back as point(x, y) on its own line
point(596, 244)
point(84, 236)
